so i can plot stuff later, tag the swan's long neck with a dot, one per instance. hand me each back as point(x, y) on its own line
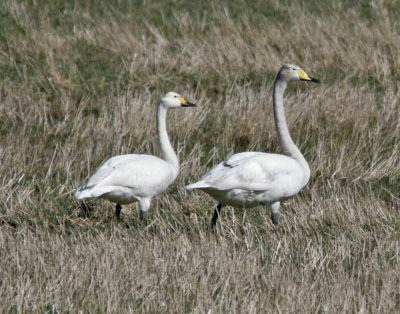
point(285, 139)
point(167, 151)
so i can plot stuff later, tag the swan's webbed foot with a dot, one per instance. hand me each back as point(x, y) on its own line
point(215, 217)
point(118, 208)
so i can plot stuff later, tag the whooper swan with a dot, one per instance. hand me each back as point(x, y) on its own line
point(124, 179)
point(249, 179)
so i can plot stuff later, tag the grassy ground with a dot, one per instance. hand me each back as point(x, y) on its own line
point(80, 82)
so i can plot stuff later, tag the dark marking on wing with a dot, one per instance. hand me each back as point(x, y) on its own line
point(228, 165)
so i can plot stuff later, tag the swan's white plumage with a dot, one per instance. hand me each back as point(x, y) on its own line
point(127, 178)
point(249, 179)
point(256, 178)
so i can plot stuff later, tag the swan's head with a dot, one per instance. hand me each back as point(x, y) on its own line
point(174, 100)
point(291, 72)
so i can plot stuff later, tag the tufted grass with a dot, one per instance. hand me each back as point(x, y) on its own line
point(79, 84)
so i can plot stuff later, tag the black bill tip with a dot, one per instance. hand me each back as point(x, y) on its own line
point(310, 79)
point(188, 104)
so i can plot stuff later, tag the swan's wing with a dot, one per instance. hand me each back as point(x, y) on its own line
point(219, 176)
point(108, 168)
point(218, 172)
point(253, 171)
point(142, 174)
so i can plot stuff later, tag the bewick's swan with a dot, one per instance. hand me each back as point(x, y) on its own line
point(249, 179)
point(128, 178)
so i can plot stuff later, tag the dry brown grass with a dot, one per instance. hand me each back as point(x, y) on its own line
point(80, 83)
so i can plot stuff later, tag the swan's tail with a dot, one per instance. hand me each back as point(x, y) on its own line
point(83, 193)
point(198, 185)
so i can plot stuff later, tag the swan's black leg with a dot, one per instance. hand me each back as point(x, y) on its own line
point(118, 208)
point(85, 210)
point(143, 215)
point(274, 218)
point(217, 212)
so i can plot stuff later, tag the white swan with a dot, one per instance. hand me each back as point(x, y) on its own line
point(254, 178)
point(128, 178)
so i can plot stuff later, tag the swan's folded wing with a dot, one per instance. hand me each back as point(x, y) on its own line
point(107, 168)
point(132, 170)
point(253, 172)
point(218, 173)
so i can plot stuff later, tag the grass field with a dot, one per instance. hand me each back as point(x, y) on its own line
point(80, 81)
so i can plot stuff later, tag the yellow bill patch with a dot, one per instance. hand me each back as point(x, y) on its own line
point(303, 75)
point(183, 100)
